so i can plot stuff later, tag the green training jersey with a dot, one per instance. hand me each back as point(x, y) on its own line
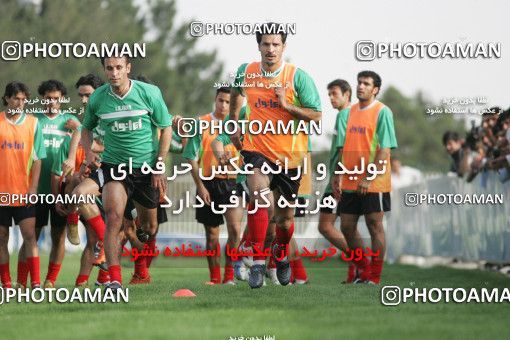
point(130, 123)
point(54, 134)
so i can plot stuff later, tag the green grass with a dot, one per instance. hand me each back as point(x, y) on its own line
point(323, 309)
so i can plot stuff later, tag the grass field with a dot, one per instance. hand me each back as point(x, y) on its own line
point(323, 309)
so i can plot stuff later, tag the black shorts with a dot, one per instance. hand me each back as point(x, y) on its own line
point(162, 216)
point(130, 206)
point(98, 177)
point(356, 204)
point(45, 210)
point(288, 188)
point(300, 212)
point(327, 210)
point(220, 191)
point(138, 186)
point(8, 213)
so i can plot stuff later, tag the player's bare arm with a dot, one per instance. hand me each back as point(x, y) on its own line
point(296, 111)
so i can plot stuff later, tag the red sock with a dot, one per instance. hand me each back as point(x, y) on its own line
point(215, 273)
point(376, 268)
point(351, 272)
point(81, 279)
point(228, 275)
point(272, 263)
point(115, 273)
point(53, 270)
point(299, 270)
point(152, 247)
point(5, 275)
point(257, 227)
point(72, 218)
point(97, 224)
point(33, 264)
point(283, 236)
point(22, 275)
point(363, 266)
point(141, 267)
point(103, 276)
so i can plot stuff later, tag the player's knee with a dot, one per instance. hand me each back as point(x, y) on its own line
point(374, 224)
point(347, 228)
point(29, 239)
point(284, 221)
point(113, 218)
point(324, 228)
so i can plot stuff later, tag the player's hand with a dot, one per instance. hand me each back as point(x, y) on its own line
point(72, 124)
point(159, 181)
point(60, 209)
point(175, 121)
point(225, 158)
point(363, 186)
point(280, 93)
point(204, 194)
point(68, 167)
point(236, 139)
point(336, 182)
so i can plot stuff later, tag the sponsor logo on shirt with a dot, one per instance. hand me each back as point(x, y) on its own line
point(15, 145)
point(128, 126)
point(358, 129)
point(53, 142)
point(267, 104)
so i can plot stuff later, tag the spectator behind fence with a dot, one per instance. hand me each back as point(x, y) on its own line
point(459, 151)
point(403, 175)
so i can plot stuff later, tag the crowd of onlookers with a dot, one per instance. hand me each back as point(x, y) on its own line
point(484, 148)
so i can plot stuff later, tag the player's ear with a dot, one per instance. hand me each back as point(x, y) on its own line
point(128, 68)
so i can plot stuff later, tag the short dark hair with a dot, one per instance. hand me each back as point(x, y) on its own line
point(450, 135)
point(51, 85)
point(343, 85)
point(223, 89)
point(371, 74)
point(143, 78)
point(113, 56)
point(91, 80)
point(13, 88)
point(271, 28)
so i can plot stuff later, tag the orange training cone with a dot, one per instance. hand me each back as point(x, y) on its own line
point(183, 293)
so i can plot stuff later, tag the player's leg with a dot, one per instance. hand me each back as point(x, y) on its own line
point(212, 242)
point(284, 217)
point(348, 225)
point(90, 212)
point(5, 274)
point(327, 219)
point(148, 223)
point(376, 229)
point(73, 216)
point(42, 213)
point(114, 201)
point(258, 222)
point(29, 235)
point(86, 260)
point(233, 217)
point(162, 218)
point(57, 252)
